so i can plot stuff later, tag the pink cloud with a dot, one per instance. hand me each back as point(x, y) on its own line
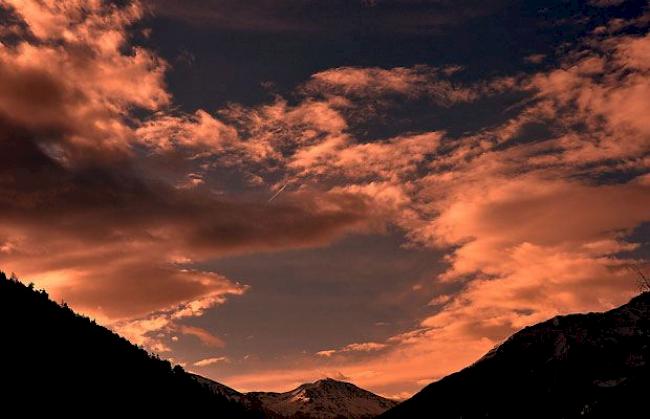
point(82, 75)
point(606, 93)
point(197, 133)
point(535, 58)
point(418, 81)
point(354, 347)
point(210, 361)
point(151, 329)
point(527, 236)
point(206, 338)
point(395, 157)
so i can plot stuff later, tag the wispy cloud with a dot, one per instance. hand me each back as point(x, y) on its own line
point(208, 339)
point(354, 347)
point(210, 361)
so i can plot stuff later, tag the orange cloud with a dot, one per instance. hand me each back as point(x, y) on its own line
point(354, 347)
point(529, 232)
point(393, 159)
point(608, 94)
point(82, 76)
point(198, 133)
point(210, 361)
point(86, 220)
point(151, 329)
point(419, 81)
point(206, 338)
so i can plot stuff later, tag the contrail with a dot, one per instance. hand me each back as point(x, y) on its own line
point(278, 192)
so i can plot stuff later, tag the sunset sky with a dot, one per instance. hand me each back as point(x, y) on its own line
point(270, 192)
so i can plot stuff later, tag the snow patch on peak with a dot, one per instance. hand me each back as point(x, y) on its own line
point(322, 399)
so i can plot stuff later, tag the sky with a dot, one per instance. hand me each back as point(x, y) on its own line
point(271, 192)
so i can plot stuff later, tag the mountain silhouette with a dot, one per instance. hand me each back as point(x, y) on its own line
point(322, 399)
point(54, 361)
point(57, 362)
point(593, 365)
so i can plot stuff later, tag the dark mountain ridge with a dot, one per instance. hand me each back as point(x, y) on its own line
point(593, 365)
point(60, 363)
point(55, 361)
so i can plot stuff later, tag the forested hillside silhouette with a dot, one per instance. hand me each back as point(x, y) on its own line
point(54, 360)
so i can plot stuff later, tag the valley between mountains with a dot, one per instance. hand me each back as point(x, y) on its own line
point(593, 365)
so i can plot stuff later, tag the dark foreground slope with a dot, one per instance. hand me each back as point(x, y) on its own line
point(53, 360)
point(579, 366)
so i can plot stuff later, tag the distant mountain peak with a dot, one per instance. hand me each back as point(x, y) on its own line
point(328, 380)
point(330, 384)
point(326, 398)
